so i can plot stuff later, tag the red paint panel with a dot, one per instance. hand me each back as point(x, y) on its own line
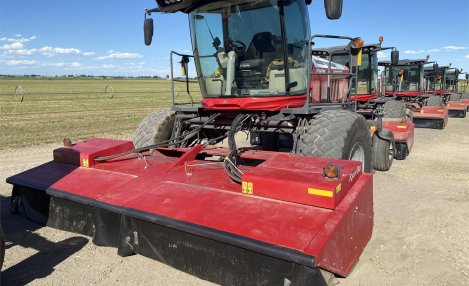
point(343, 238)
point(91, 183)
point(271, 103)
point(90, 149)
point(128, 191)
point(403, 132)
point(433, 112)
point(281, 223)
point(455, 105)
point(288, 178)
point(364, 97)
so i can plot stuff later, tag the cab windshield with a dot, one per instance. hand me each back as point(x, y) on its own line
point(239, 48)
point(367, 72)
point(406, 78)
point(435, 81)
point(451, 81)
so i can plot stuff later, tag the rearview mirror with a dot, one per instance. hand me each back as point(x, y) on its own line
point(148, 30)
point(467, 76)
point(333, 9)
point(395, 57)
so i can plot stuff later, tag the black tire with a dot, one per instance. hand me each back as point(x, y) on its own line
point(337, 134)
point(2, 246)
point(156, 127)
point(401, 151)
point(394, 109)
point(383, 151)
point(465, 96)
point(454, 97)
point(435, 100)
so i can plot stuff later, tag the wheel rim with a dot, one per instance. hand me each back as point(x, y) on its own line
point(358, 154)
point(391, 152)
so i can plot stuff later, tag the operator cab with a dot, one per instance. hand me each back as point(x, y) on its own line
point(242, 48)
point(436, 78)
point(367, 77)
point(452, 80)
point(406, 76)
point(248, 54)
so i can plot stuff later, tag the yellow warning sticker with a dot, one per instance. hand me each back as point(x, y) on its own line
point(401, 126)
point(247, 188)
point(359, 58)
point(85, 162)
point(322, 193)
point(338, 188)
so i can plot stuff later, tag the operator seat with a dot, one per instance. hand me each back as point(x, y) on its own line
point(262, 50)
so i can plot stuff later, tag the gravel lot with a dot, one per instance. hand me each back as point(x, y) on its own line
point(421, 235)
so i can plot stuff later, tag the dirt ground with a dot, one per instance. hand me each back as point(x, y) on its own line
point(421, 234)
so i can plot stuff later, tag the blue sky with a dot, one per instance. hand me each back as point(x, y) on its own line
point(105, 37)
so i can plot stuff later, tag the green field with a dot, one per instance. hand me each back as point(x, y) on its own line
point(55, 108)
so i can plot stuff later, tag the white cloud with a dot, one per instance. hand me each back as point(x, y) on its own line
point(433, 50)
point(21, 52)
point(63, 65)
point(59, 65)
point(14, 46)
point(18, 50)
point(467, 57)
point(414, 51)
point(455, 48)
point(50, 51)
point(21, 63)
point(116, 55)
point(18, 39)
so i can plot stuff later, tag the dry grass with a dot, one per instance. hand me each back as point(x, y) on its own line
point(77, 108)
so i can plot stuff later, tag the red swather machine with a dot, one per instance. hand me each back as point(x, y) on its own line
point(235, 216)
point(405, 82)
point(442, 82)
point(389, 116)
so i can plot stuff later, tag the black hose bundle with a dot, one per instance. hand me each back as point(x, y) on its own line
point(172, 141)
point(230, 160)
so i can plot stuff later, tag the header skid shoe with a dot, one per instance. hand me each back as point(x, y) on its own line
point(178, 206)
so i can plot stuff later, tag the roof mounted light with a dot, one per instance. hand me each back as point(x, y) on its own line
point(357, 43)
point(380, 39)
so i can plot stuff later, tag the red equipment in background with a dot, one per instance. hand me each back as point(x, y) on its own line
point(405, 82)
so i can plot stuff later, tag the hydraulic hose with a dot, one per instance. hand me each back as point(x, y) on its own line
point(230, 160)
point(165, 143)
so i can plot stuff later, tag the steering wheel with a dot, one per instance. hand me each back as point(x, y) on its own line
point(234, 45)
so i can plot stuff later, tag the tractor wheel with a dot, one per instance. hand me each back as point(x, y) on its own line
point(454, 97)
point(435, 100)
point(465, 96)
point(2, 246)
point(383, 152)
point(156, 127)
point(394, 109)
point(337, 134)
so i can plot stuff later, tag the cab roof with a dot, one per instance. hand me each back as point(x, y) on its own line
point(405, 62)
point(343, 50)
